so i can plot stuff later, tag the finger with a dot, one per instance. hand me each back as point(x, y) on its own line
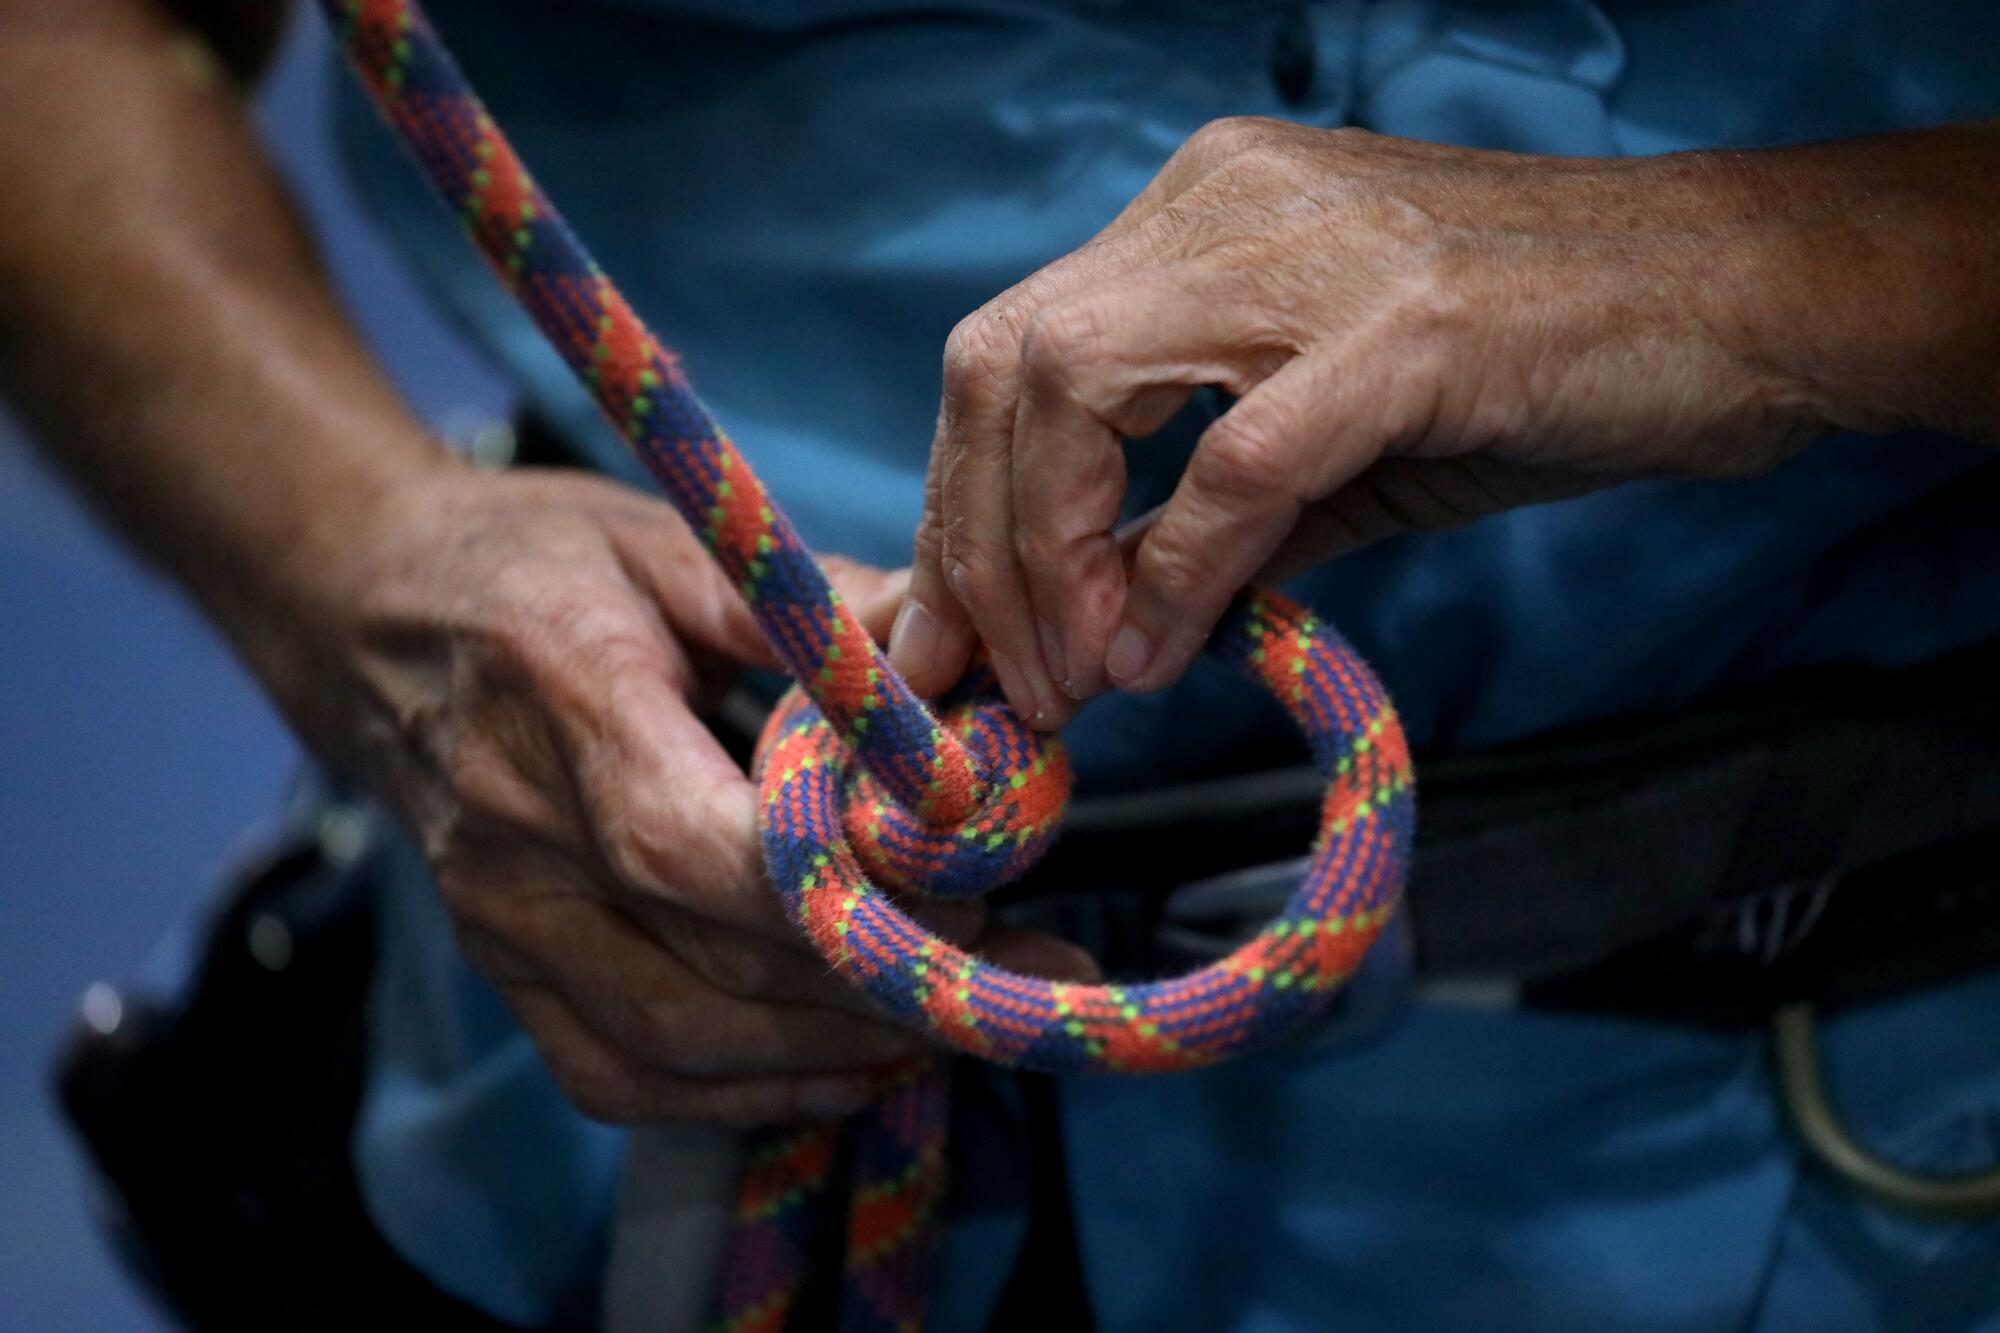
point(963, 552)
point(483, 881)
point(1036, 954)
point(874, 595)
point(1398, 495)
point(1112, 362)
point(672, 819)
point(1200, 154)
point(606, 1086)
point(696, 600)
point(661, 1013)
point(975, 506)
point(1307, 430)
point(751, 968)
point(671, 816)
point(932, 640)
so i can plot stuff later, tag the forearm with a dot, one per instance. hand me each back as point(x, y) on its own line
point(164, 326)
point(1878, 288)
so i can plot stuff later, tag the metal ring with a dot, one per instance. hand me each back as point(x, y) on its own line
point(1802, 1089)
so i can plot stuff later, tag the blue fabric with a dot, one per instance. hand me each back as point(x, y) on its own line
point(1487, 1169)
point(805, 195)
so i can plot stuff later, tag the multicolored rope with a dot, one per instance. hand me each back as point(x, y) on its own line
point(867, 793)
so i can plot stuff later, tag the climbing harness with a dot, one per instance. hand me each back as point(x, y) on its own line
point(866, 793)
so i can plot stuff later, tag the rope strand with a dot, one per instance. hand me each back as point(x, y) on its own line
point(865, 791)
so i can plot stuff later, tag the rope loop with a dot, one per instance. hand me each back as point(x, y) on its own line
point(864, 788)
point(1018, 796)
point(835, 848)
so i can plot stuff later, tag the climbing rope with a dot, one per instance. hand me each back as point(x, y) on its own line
point(866, 793)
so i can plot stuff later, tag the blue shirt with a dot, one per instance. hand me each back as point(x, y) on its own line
point(804, 196)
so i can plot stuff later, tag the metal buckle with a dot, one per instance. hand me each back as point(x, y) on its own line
point(1205, 920)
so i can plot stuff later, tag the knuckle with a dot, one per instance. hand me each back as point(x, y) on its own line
point(1246, 453)
point(639, 846)
point(1177, 569)
point(1061, 339)
point(1243, 139)
point(1230, 136)
point(636, 858)
point(977, 571)
point(518, 587)
point(978, 352)
point(1351, 138)
point(1043, 552)
point(928, 544)
point(591, 630)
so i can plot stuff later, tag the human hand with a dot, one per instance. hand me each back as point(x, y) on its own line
point(512, 660)
point(1417, 335)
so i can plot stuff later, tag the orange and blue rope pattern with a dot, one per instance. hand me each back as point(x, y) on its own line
point(867, 793)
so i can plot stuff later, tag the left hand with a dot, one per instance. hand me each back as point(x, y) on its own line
point(1416, 335)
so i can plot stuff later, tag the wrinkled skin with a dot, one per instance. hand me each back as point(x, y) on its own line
point(1418, 335)
point(515, 660)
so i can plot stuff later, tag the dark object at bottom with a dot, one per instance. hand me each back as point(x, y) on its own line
point(219, 1124)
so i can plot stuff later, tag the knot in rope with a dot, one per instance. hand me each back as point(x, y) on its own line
point(963, 839)
point(864, 790)
point(836, 836)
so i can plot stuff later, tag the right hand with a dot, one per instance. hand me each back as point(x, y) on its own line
point(512, 660)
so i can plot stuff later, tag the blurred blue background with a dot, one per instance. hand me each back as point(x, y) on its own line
point(134, 753)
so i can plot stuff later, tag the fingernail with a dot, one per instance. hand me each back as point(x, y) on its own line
point(831, 1098)
point(913, 639)
point(1051, 709)
point(1130, 652)
point(1010, 682)
point(1052, 651)
point(1035, 702)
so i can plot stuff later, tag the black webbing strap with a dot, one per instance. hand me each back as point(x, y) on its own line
point(1543, 858)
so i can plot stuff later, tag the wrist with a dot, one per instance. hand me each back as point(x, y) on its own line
point(292, 604)
point(1856, 280)
point(362, 504)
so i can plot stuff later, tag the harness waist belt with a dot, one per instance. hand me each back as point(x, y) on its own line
point(1697, 865)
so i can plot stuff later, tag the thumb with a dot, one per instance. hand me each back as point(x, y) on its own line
point(873, 594)
point(709, 611)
